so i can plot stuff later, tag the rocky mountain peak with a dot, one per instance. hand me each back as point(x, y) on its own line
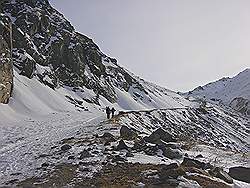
point(46, 47)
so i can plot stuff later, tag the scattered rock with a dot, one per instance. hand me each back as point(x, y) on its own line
point(170, 166)
point(84, 169)
point(44, 165)
point(16, 174)
point(127, 133)
point(67, 140)
point(195, 170)
point(107, 143)
point(171, 153)
point(122, 145)
point(240, 173)
point(118, 158)
point(171, 171)
point(71, 157)
point(53, 147)
point(195, 163)
point(85, 154)
point(43, 155)
point(108, 137)
point(158, 135)
point(151, 150)
point(140, 145)
point(12, 181)
point(66, 147)
point(171, 145)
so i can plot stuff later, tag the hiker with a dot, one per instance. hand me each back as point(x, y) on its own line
point(108, 112)
point(113, 112)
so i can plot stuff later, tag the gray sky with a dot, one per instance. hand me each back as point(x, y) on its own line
point(178, 44)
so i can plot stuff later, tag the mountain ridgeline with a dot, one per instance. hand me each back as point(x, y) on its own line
point(233, 92)
point(47, 47)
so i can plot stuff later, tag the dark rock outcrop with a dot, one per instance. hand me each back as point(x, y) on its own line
point(171, 171)
point(172, 153)
point(6, 67)
point(47, 47)
point(127, 133)
point(159, 135)
point(240, 173)
point(85, 154)
point(188, 162)
point(220, 173)
point(241, 105)
point(108, 137)
point(122, 145)
point(66, 147)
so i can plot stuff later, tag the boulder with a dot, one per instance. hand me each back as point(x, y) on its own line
point(127, 133)
point(71, 157)
point(188, 162)
point(172, 153)
point(170, 171)
point(65, 147)
point(122, 145)
point(240, 173)
point(159, 135)
point(151, 150)
point(108, 137)
point(118, 158)
point(220, 173)
point(85, 154)
point(44, 165)
point(140, 145)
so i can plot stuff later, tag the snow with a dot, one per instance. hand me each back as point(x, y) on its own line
point(51, 41)
point(22, 143)
point(147, 159)
point(240, 184)
point(219, 157)
point(226, 89)
point(126, 102)
point(32, 98)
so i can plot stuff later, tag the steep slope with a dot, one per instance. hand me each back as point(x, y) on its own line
point(234, 92)
point(47, 48)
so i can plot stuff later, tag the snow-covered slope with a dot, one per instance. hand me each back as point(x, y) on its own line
point(70, 67)
point(233, 91)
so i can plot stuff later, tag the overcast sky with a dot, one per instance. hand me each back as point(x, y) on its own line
point(178, 44)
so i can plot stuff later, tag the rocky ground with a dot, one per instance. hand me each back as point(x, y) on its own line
point(100, 153)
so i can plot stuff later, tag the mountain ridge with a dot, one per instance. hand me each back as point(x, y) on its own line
point(47, 48)
point(233, 92)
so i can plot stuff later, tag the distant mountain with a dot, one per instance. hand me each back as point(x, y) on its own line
point(234, 92)
point(47, 49)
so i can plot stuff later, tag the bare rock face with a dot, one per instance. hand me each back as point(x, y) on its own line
point(241, 105)
point(6, 70)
